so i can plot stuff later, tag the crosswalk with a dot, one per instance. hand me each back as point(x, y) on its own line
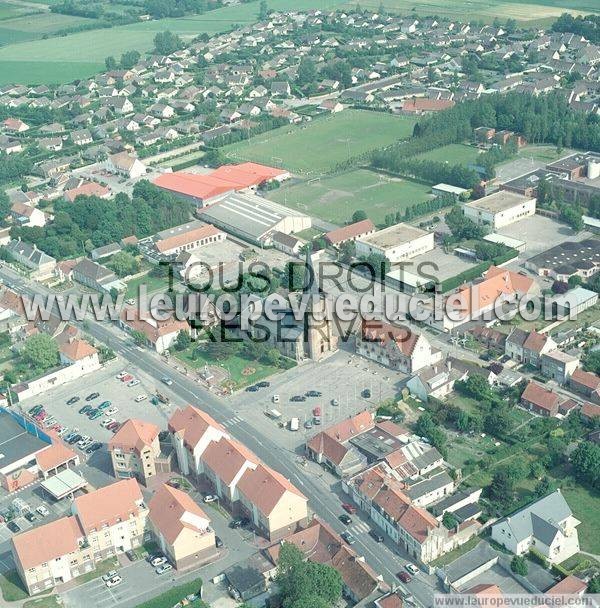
point(359, 528)
point(232, 421)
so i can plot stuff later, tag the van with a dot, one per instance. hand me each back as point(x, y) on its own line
point(294, 424)
point(275, 414)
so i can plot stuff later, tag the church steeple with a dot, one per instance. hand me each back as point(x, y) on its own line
point(310, 284)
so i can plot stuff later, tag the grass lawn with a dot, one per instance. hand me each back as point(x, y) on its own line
point(317, 147)
point(101, 569)
point(448, 558)
point(175, 595)
point(309, 234)
point(585, 505)
point(335, 199)
point(485, 10)
point(12, 587)
point(49, 601)
point(236, 368)
point(153, 284)
point(456, 154)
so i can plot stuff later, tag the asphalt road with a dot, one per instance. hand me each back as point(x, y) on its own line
point(323, 498)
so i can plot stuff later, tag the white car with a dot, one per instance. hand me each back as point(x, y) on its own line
point(164, 568)
point(133, 382)
point(158, 561)
point(42, 510)
point(107, 421)
point(110, 574)
point(121, 375)
point(275, 398)
point(211, 498)
point(140, 398)
point(114, 581)
point(412, 568)
point(111, 411)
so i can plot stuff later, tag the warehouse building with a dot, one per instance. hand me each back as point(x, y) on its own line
point(186, 237)
point(396, 243)
point(567, 259)
point(253, 218)
point(500, 209)
point(206, 189)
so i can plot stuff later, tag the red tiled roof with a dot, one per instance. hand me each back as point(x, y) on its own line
point(350, 232)
point(54, 455)
point(226, 458)
point(571, 585)
point(76, 350)
point(179, 240)
point(587, 379)
point(87, 189)
point(589, 410)
point(423, 104)
point(377, 331)
point(541, 397)
point(192, 424)
point(134, 435)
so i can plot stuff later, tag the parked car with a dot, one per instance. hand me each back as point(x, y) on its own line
point(313, 393)
point(376, 536)
point(211, 498)
point(308, 424)
point(113, 428)
point(349, 508)
point(85, 409)
point(13, 527)
point(164, 568)
point(366, 393)
point(126, 378)
point(111, 411)
point(252, 388)
point(335, 402)
point(240, 522)
point(131, 556)
point(133, 383)
point(158, 560)
point(95, 415)
point(42, 510)
point(104, 405)
point(140, 398)
point(218, 542)
point(93, 448)
point(30, 517)
point(107, 422)
point(73, 400)
point(110, 574)
point(297, 398)
point(75, 439)
point(114, 581)
point(263, 384)
point(412, 568)
point(92, 396)
point(36, 409)
point(348, 537)
point(121, 375)
point(404, 577)
point(275, 398)
point(345, 519)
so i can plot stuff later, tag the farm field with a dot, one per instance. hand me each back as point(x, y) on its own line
point(487, 10)
point(317, 147)
point(32, 27)
point(335, 199)
point(8, 10)
point(65, 58)
point(453, 153)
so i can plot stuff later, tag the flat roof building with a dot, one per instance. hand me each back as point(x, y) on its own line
point(253, 218)
point(396, 243)
point(500, 209)
point(567, 259)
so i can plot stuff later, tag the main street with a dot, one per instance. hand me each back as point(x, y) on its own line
point(323, 493)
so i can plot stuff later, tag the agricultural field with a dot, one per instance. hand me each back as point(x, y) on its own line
point(532, 11)
point(318, 147)
point(335, 199)
point(9, 10)
point(36, 26)
point(459, 154)
point(79, 55)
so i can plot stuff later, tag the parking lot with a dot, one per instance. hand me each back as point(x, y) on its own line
point(343, 377)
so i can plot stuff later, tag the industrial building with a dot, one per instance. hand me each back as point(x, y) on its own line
point(396, 243)
point(253, 218)
point(206, 189)
point(500, 209)
point(567, 259)
point(186, 237)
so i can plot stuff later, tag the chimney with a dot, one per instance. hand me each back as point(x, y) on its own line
point(449, 365)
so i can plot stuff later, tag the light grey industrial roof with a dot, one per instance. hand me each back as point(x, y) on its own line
point(15, 442)
point(246, 214)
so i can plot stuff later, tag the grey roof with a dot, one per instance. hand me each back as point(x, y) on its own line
point(575, 297)
point(94, 271)
point(247, 215)
point(430, 484)
point(469, 511)
point(15, 442)
point(470, 561)
point(30, 252)
point(449, 501)
point(426, 459)
point(542, 518)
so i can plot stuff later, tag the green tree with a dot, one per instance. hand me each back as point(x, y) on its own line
point(449, 520)
point(591, 362)
point(263, 11)
point(183, 340)
point(500, 491)
point(139, 337)
point(519, 565)
point(129, 59)
point(594, 584)
point(543, 487)
point(359, 215)
point(585, 460)
point(40, 352)
point(307, 71)
point(124, 264)
point(167, 42)
point(4, 207)
point(111, 63)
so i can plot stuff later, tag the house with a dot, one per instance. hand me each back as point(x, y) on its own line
point(41, 264)
point(106, 251)
point(536, 345)
point(80, 353)
point(181, 528)
point(280, 89)
point(27, 215)
point(160, 333)
point(14, 125)
point(134, 451)
point(540, 400)
point(349, 233)
point(10, 145)
point(397, 347)
point(558, 366)
point(82, 137)
point(87, 189)
point(586, 384)
point(125, 164)
point(331, 105)
point(287, 243)
point(570, 585)
point(547, 525)
point(96, 276)
point(590, 411)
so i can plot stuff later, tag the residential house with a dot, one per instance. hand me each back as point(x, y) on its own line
point(80, 353)
point(558, 365)
point(546, 525)
point(41, 264)
point(96, 276)
point(125, 164)
point(540, 400)
point(586, 384)
point(27, 215)
point(160, 333)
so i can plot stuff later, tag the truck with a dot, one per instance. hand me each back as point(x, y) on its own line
point(294, 424)
point(275, 414)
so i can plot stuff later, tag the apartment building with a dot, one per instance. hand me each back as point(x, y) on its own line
point(134, 450)
point(243, 483)
point(182, 529)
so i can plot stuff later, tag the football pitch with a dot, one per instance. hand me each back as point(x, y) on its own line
point(317, 147)
point(335, 199)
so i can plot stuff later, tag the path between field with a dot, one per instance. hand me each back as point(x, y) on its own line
point(175, 152)
point(35, 5)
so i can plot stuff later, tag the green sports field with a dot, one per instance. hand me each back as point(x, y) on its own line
point(335, 199)
point(65, 58)
point(319, 146)
point(456, 154)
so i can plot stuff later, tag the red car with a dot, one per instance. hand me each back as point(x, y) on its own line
point(349, 508)
point(317, 411)
point(126, 378)
point(404, 577)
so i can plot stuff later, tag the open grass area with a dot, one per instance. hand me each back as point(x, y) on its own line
point(455, 154)
point(153, 284)
point(32, 27)
point(79, 55)
point(317, 147)
point(335, 199)
point(175, 595)
point(12, 587)
point(101, 569)
point(585, 505)
point(486, 10)
point(49, 601)
point(448, 558)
